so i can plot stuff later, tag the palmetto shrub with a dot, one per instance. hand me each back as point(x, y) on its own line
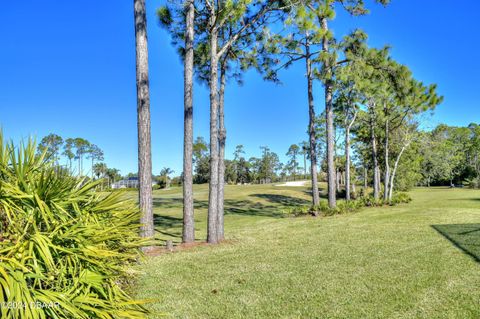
point(345, 207)
point(63, 248)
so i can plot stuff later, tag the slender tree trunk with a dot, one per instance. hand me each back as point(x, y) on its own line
point(387, 164)
point(347, 156)
point(311, 129)
point(394, 172)
point(338, 175)
point(332, 201)
point(304, 165)
point(188, 234)
point(222, 136)
point(379, 177)
point(376, 171)
point(347, 163)
point(212, 220)
point(143, 122)
point(365, 179)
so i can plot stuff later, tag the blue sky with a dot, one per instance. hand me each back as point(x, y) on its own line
point(69, 67)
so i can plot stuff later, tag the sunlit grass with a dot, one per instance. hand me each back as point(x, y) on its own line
point(384, 262)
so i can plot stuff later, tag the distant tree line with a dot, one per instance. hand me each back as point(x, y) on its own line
point(74, 150)
point(245, 170)
point(447, 155)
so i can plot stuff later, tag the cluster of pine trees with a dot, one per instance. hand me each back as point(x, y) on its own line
point(448, 155)
point(73, 149)
point(370, 99)
point(257, 170)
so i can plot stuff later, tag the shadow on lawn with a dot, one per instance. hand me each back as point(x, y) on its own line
point(168, 225)
point(177, 203)
point(286, 201)
point(172, 226)
point(251, 208)
point(464, 236)
point(470, 199)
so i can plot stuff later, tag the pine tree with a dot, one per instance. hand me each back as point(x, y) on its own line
point(143, 121)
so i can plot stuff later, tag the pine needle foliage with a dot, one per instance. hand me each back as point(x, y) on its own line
point(63, 248)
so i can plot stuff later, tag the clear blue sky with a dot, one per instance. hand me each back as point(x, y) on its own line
point(69, 67)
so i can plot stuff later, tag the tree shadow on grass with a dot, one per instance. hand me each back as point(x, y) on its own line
point(167, 202)
point(283, 200)
point(323, 193)
point(172, 226)
point(464, 236)
point(164, 223)
point(176, 203)
point(470, 199)
point(251, 208)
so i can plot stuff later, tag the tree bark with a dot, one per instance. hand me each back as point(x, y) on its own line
point(394, 172)
point(332, 201)
point(339, 181)
point(347, 156)
point(143, 122)
point(311, 129)
point(386, 178)
point(347, 163)
point(188, 234)
point(222, 136)
point(376, 171)
point(365, 179)
point(212, 220)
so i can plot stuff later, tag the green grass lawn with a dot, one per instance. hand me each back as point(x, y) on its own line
point(417, 260)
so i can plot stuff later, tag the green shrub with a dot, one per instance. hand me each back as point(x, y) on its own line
point(345, 207)
point(473, 183)
point(370, 201)
point(400, 198)
point(298, 211)
point(63, 248)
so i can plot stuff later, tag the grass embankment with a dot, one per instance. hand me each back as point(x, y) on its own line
point(408, 261)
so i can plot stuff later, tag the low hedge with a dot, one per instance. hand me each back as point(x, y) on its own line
point(345, 207)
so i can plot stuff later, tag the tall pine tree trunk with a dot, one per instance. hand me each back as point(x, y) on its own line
point(332, 201)
point(373, 141)
point(386, 178)
point(188, 235)
point(304, 165)
point(347, 156)
point(365, 179)
point(143, 122)
point(394, 172)
point(222, 136)
point(339, 180)
point(311, 129)
point(347, 163)
point(212, 220)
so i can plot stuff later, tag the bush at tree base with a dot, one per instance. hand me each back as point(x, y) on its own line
point(345, 207)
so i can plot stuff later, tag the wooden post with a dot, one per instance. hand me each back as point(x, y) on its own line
point(169, 245)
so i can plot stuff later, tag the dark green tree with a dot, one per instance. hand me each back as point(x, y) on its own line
point(51, 145)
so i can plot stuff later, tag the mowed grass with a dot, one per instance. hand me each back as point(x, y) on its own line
point(388, 262)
